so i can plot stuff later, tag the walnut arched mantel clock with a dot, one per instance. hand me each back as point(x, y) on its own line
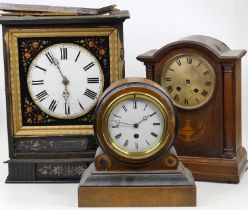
point(202, 76)
point(57, 64)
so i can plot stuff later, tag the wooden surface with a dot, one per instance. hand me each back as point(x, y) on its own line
point(104, 162)
point(136, 197)
point(114, 17)
point(217, 169)
point(137, 188)
point(29, 9)
point(219, 120)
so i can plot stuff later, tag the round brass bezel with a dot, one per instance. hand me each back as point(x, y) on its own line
point(113, 95)
point(210, 68)
point(54, 115)
point(110, 141)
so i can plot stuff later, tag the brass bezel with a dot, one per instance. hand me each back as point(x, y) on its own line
point(135, 86)
point(135, 155)
point(170, 61)
point(116, 65)
point(74, 116)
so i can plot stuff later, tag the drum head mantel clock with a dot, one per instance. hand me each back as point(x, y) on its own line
point(202, 77)
point(135, 126)
point(56, 68)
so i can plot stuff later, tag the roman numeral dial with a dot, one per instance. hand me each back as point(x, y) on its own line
point(63, 53)
point(65, 80)
point(189, 79)
point(135, 124)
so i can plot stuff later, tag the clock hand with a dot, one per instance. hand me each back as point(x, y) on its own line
point(144, 118)
point(135, 125)
point(119, 122)
point(66, 94)
point(65, 81)
point(56, 63)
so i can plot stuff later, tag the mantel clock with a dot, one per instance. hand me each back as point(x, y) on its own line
point(56, 69)
point(135, 126)
point(202, 76)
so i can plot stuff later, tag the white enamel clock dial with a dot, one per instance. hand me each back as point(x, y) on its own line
point(65, 81)
point(136, 125)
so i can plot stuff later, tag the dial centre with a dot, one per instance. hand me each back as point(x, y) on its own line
point(136, 136)
point(65, 81)
point(135, 125)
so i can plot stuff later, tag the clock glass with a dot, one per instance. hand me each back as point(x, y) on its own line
point(65, 80)
point(189, 80)
point(137, 125)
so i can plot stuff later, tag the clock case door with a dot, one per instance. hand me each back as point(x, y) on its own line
point(51, 156)
point(209, 137)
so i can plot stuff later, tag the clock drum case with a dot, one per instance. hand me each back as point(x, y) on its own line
point(136, 164)
point(202, 76)
point(53, 66)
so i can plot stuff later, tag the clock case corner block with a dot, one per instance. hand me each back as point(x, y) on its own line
point(216, 154)
point(52, 158)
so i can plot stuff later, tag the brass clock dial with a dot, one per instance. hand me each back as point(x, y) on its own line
point(189, 80)
point(133, 123)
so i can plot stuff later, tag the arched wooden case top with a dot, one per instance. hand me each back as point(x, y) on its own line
point(214, 129)
point(144, 89)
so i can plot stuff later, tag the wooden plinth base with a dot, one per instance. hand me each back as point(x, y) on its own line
point(137, 189)
point(217, 169)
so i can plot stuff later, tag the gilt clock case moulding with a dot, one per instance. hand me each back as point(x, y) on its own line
point(202, 76)
point(56, 68)
point(136, 164)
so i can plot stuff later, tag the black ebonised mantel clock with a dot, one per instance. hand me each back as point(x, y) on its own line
point(56, 69)
point(202, 76)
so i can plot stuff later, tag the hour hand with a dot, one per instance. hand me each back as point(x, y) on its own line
point(143, 119)
point(55, 62)
point(52, 59)
point(146, 117)
point(66, 94)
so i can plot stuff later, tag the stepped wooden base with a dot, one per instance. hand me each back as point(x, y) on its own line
point(217, 169)
point(137, 197)
point(137, 188)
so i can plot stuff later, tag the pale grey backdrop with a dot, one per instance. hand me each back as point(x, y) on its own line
point(152, 25)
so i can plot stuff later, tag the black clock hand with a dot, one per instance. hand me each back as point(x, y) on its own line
point(145, 118)
point(119, 122)
point(66, 94)
point(56, 63)
point(65, 81)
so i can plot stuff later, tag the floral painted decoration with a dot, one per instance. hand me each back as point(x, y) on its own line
point(29, 48)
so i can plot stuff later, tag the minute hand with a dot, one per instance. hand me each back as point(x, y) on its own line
point(56, 63)
point(145, 118)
